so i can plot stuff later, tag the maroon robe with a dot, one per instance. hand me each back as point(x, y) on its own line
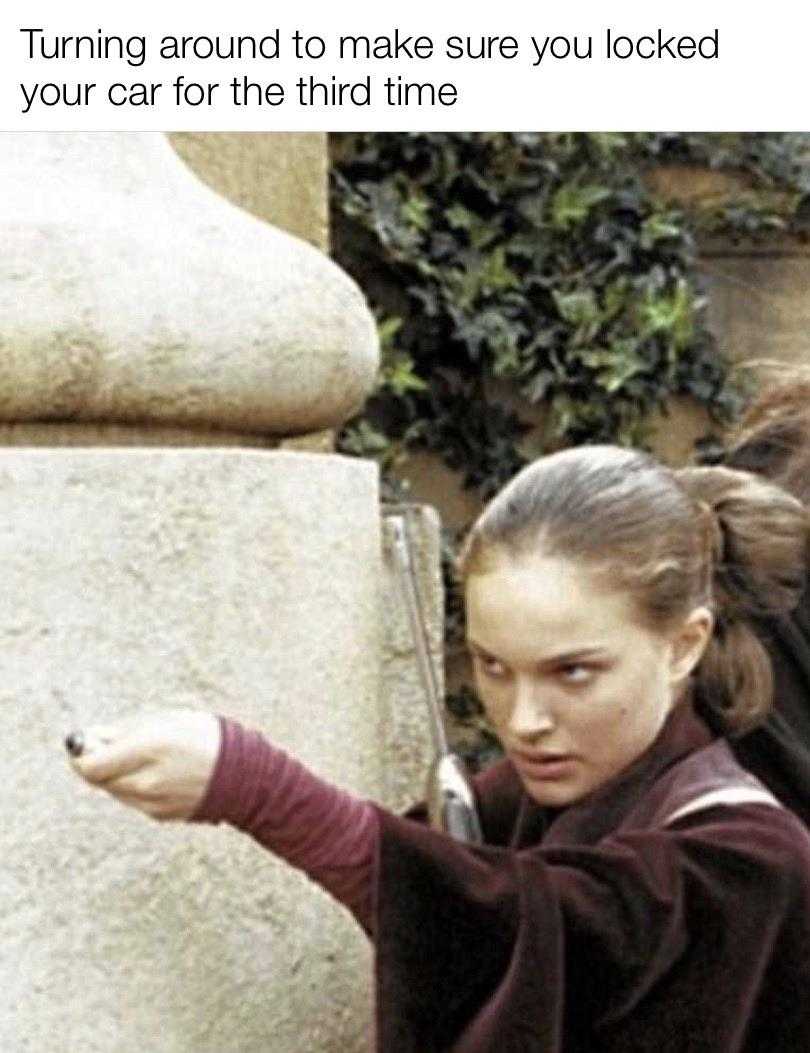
point(602, 927)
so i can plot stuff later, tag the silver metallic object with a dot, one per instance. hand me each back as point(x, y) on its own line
point(450, 799)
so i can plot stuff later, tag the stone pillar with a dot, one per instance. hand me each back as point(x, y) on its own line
point(238, 582)
point(152, 334)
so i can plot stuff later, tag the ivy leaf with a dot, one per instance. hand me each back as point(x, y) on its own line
point(459, 217)
point(387, 214)
point(490, 329)
point(362, 440)
point(659, 227)
point(495, 274)
point(533, 208)
point(481, 232)
point(578, 308)
point(673, 315)
point(428, 297)
point(483, 275)
point(416, 211)
point(572, 204)
point(469, 330)
point(616, 364)
point(615, 297)
point(387, 329)
point(538, 387)
point(398, 375)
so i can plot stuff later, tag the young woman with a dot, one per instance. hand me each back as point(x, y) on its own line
point(638, 890)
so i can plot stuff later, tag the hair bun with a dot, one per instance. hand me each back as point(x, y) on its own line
point(757, 534)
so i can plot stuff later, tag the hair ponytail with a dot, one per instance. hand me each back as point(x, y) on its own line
point(757, 541)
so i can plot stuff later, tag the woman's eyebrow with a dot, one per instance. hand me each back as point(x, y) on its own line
point(575, 656)
point(473, 646)
point(590, 651)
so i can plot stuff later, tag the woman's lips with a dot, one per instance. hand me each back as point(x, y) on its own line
point(548, 766)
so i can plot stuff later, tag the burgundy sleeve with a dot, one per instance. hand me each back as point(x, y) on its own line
point(318, 828)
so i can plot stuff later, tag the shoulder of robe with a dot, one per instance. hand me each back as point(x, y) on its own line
point(702, 783)
point(769, 837)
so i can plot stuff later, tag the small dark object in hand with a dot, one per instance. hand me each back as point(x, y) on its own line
point(74, 743)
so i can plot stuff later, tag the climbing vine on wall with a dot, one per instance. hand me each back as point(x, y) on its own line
point(546, 265)
point(546, 261)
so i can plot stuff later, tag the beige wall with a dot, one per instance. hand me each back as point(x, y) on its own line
point(279, 176)
point(759, 301)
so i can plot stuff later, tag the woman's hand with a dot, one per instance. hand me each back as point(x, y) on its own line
point(159, 764)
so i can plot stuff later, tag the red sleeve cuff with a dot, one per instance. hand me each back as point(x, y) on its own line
point(222, 800)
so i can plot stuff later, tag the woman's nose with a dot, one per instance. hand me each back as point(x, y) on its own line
point(530, 716)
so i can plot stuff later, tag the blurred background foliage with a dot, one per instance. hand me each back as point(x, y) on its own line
point(510, 272)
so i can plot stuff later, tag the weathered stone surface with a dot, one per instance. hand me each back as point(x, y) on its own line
point(242, 582)
point(131, 293)
point(73, 434)
point(281, 177)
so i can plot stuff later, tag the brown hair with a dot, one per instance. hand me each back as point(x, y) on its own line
point(676, 540)
point(773, 436)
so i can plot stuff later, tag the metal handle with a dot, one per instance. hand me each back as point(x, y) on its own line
point(451, 802)
point(401, 545)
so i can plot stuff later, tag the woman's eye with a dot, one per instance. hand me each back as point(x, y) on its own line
point(576, 673)
point(490, 666)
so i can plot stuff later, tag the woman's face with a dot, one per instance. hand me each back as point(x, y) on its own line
point(575, 687)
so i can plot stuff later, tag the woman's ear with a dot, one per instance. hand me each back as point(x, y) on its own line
point(689, 643)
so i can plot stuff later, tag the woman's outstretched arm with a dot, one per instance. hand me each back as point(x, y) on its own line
point(198, 767)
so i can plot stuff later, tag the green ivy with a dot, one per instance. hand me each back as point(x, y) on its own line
point(546, 263)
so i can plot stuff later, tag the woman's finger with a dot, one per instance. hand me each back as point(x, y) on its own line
point(81, 741)
point(103, 761)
